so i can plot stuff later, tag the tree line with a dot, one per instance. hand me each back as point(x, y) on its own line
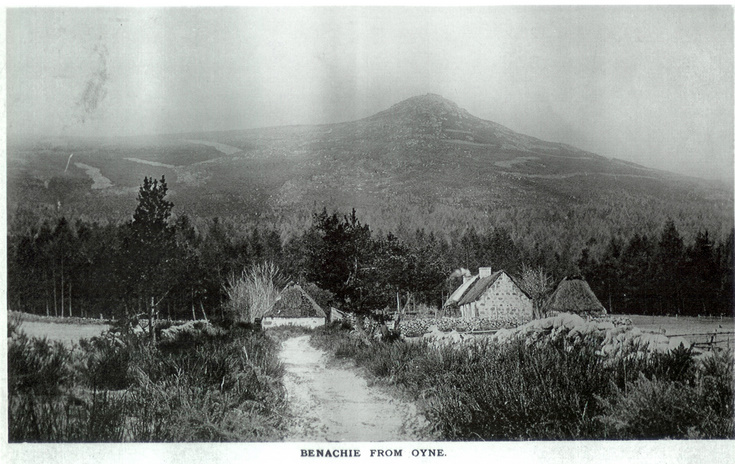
point(157, 262)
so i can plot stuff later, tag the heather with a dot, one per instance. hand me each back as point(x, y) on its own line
point(550, 388)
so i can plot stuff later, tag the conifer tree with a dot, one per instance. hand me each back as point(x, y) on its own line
point(150, 248)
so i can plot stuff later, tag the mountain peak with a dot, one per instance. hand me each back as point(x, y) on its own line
point(431, 109)
point(429, 103)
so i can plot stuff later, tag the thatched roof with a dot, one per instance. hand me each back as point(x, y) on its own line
point(295, 302)
point(479, 286)
point(574, 295)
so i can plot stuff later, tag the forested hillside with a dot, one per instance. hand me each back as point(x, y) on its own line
point(392, 203)
point(72, 266)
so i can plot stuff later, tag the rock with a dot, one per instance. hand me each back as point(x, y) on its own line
point(675, 342)
point(605, 326)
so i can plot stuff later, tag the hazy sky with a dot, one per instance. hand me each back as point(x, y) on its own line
point(648, 84)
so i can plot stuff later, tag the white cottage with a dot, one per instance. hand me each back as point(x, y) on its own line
point(492, 296)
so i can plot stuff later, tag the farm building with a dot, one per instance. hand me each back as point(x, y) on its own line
point(295, 307)
point(574, 295)
point(492, 296)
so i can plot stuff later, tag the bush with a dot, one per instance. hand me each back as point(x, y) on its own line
point(252, 294)
point(65, 418)
point(517, 392)
point(15, 320)
point(716, 381)
point(653, 408)
point(106, 360)
point(551, 387)
point(37, 366)
point(44, 405)
point(213, 386)
point(222, 387)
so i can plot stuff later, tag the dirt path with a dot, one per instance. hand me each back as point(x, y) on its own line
point(332, 403)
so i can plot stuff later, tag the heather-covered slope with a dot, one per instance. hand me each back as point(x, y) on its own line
point(424, 162)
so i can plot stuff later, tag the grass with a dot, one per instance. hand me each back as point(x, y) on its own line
point(557, 390)
point(215, 386)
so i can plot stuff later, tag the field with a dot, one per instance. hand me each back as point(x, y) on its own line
point(65, 330)
point(683, 325)
point(695, 329)
point(65, 333)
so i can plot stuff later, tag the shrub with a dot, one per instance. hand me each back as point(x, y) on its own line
point(717, 382)
point(65, 418)
point(223, 387)
point(518, 392)
point(44, 405)
point(106, 362)
point(37, 366)
point(252, 294)
point(547, 385)
point(15, 320)
point(213, 386)
point(653, 408)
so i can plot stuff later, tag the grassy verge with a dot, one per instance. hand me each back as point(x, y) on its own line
point(219, 385)
point(550, 391)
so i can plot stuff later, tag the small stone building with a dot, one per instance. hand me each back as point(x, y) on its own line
point(295, 307)
point(492, 296)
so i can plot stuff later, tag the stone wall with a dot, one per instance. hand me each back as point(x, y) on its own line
point(502, 300)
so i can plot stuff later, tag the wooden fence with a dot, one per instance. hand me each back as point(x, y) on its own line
point(711, 340)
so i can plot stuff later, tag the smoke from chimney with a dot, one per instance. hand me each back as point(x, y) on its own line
point(461, 272)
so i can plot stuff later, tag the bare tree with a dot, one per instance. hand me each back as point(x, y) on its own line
point(537, 283)
point(253, 293)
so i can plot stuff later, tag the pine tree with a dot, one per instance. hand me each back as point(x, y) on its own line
point(637, 274)
point(701, 280)
point(338, 256)
point(150, 248)
point(669, 268)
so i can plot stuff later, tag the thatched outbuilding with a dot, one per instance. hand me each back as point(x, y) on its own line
point(295, 307)
point(574, 295)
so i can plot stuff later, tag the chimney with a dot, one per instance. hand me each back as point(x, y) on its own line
point(485, 272)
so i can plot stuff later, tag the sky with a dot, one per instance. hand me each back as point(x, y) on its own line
point(653, 85)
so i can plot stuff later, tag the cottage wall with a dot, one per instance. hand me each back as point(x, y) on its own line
point(308, 322)
point(502, 300)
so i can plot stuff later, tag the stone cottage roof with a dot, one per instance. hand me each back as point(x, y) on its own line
point(480, 286)
point(457, 294)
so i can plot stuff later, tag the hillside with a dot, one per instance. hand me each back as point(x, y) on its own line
point(423, 162)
